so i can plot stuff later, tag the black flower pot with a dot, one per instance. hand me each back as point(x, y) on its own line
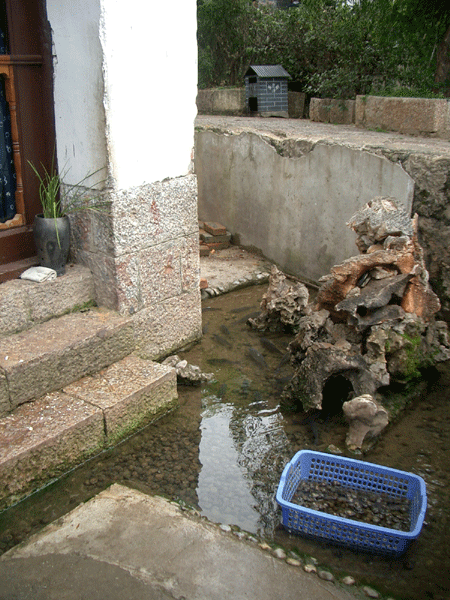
point(52, 239)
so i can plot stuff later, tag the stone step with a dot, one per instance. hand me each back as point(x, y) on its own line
point(42, 440)
point(58, 352)
point(24, 304)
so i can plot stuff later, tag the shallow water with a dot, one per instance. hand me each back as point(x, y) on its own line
point(223, 451)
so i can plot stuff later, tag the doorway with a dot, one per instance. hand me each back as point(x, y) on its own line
point(26, 78)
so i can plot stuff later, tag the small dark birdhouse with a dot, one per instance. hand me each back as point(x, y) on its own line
point(266, 90)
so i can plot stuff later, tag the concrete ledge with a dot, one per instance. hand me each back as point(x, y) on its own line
point(413, 116)
point(329, 110)
point(171, 553)
point(25, 303)
point(62, 350)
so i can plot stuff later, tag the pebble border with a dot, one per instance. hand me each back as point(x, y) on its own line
point(256, 278)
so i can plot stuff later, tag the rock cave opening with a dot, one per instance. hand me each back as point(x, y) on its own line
point(336, 390)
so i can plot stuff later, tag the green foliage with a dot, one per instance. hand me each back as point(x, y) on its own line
point(58, 199)
point(333, 48)
point(223, 34)
point(49, 185)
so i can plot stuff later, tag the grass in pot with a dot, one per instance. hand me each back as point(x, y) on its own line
point(52, 227)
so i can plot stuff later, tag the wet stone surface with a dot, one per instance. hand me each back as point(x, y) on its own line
point(224, 449)
point(365, 506)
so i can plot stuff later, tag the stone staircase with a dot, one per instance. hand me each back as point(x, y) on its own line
point(70, 384)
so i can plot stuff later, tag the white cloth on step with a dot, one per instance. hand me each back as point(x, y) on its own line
point(39, 274)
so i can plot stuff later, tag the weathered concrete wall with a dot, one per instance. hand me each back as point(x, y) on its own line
point(415, 116)
point(293, 209)
point(302, 195)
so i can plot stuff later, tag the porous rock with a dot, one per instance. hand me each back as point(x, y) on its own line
point(187, 374)
point(373, 321)
point(380, 218)
point(283, 304)
point(366, 417)
point(356, 272)
point(322, 361)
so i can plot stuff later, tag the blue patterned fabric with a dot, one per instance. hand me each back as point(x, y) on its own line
point(7, 172)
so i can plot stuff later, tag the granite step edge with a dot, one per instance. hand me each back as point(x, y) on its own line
point(60, 351)
point(42, 440)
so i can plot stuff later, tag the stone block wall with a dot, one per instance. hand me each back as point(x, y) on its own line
point(296, 104)
point(329, 110)
point(232, 102)
point(229, 101)
point(144, 256)
point(414, 116)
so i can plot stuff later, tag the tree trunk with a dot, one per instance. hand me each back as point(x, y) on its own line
point(443, 63)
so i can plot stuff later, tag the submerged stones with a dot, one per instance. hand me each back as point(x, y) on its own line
point(372, 322)
point(361, 505)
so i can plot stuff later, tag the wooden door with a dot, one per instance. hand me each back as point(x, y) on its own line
point(27, 71)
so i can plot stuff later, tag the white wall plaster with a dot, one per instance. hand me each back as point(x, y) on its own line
point(125, 77)
point(78, 86)
point(150, 66)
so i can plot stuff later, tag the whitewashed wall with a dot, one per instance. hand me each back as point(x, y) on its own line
point(78, 86)
point(125, 87)
point(150, 68)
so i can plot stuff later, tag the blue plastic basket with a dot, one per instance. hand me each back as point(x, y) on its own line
point(355, 474)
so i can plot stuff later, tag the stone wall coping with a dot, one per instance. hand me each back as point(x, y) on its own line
point(413, 116)
point(309, 133)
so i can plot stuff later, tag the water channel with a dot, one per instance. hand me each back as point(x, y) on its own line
point(223, 451)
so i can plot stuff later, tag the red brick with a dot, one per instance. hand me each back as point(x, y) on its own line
point(218, 245)
point(214, 228)
point(203, 283)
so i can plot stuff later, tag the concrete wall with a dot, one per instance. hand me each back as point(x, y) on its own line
point(125, 89)
point(292, 209)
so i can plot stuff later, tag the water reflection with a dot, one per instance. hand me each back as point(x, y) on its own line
point(242, 452)
point(224, 485)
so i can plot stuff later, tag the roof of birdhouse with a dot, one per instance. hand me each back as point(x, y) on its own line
point(267, 71)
